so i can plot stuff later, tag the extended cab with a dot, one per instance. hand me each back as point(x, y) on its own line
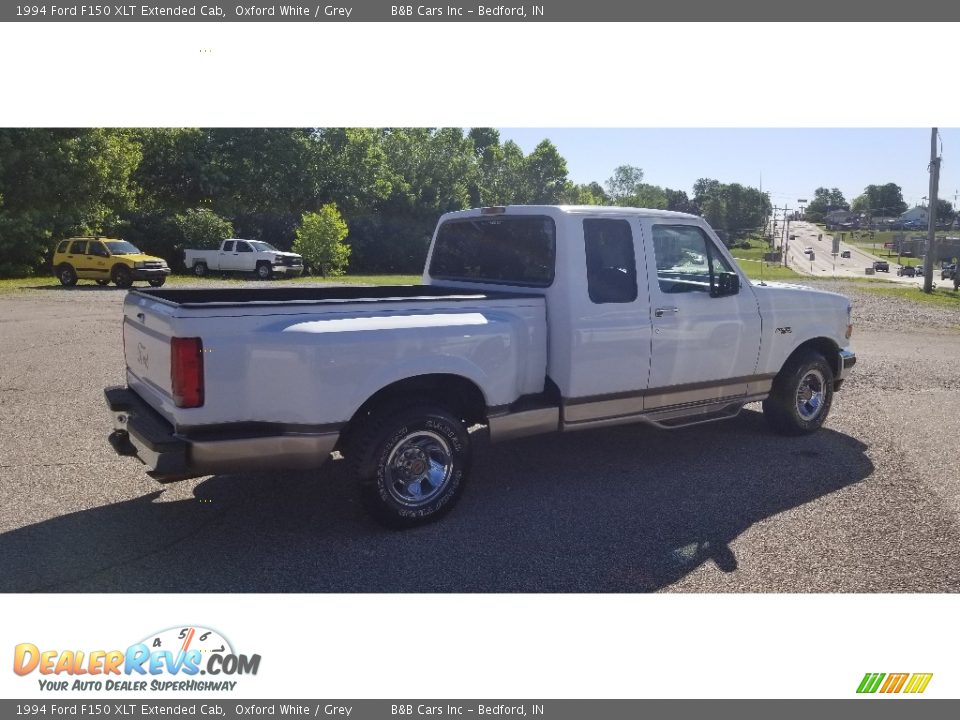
point(246, 256)
point(530, 319)
point(106, 260)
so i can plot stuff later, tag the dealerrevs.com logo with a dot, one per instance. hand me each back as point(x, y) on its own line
point(172, 659)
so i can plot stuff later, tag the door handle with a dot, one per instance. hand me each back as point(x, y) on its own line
point(660, 312)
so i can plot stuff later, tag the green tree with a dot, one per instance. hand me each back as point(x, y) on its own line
point(885, 200)
point(59, 182)
point(824, 201)
point(590, 194)
point(546, 174)
point(734, 208)
point(320, 239)
point(200, 229)
point(624, 183)
point(678, 201)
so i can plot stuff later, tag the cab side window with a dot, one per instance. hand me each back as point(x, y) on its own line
point(686, 259)
point(228, 246)
point(611, 266)
point(243, 247)
point(78, 247)
point(98, 249)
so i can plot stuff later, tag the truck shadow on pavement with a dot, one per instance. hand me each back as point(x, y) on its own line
point(627, 509)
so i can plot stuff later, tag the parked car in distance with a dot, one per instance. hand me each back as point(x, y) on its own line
point(845, 254)
point(243, 256)
point(106, 260)
point(906, 271)
point(948, 272)
point(918, 270)
point(881, 266)
point(808, 251)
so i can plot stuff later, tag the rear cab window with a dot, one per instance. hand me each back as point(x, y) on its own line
point(611, 266)
point(228, 246)
point(78, 247)
point(504, 250)
point(62, 247)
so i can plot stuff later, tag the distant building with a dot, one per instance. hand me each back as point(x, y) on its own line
point(837, 218)
point(915, 214)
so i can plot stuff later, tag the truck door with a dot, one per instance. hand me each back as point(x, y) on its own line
point(706, 330)
point(99, 260)
point(226, 257)
point(244, 258)
point(610, 349)
point(78, 258)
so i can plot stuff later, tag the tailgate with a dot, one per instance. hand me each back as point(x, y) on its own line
point(146, 346)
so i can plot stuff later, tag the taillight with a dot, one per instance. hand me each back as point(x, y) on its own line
point(186, 371)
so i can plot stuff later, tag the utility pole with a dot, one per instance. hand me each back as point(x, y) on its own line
point(785, 237)
point(932, 222)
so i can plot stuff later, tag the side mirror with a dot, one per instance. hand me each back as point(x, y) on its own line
point(725, 284)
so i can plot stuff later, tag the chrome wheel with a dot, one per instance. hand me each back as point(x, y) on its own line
point(418, 468)
point(811, 394)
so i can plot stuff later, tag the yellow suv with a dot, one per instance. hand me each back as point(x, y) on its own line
point(106, 260)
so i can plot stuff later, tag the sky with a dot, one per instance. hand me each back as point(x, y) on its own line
point(790, 163)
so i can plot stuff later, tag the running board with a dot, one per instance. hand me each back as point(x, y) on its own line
point(675, 416)
point(672, 423)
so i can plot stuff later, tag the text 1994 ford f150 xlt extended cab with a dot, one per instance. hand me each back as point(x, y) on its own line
point(530, 319)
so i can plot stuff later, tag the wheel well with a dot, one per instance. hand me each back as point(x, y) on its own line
point(453, 392)
point(826, 347)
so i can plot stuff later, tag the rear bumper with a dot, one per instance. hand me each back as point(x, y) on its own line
point(140, 432)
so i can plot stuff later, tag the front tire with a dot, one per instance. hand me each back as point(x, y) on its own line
point(264, 271)
point(122, 277)
point(67, 275)
point(411, 464)
point(801, 396)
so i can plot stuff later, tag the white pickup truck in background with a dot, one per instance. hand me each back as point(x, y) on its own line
point(243, 256)
point(530, 319)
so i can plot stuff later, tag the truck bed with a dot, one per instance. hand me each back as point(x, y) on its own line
point(225, 297)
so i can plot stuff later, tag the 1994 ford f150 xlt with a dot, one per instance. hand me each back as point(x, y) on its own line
point(530, 319)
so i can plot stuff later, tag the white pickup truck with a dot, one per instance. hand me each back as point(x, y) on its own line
point(530, 319)
point(246, 256)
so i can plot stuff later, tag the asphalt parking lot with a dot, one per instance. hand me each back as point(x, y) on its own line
point(869, 504)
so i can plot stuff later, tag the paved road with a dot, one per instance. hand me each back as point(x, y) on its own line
point(825, 265)
point(871, 503)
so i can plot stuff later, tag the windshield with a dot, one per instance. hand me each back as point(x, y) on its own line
point(262, 246)
point(122, 247)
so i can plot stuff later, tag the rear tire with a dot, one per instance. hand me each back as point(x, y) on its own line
point(157, 282)
point(67, 275)
point(801, 396)
point(412, 463)
point(200, 269)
